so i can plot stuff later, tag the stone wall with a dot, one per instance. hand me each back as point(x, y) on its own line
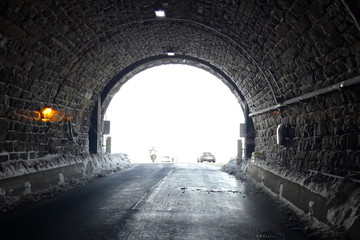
point(64, 54)
point(23, 135)
point(324, 134)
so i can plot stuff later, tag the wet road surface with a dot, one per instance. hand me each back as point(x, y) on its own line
point(155, 201)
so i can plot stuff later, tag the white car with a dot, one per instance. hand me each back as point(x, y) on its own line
point(165, 159)
point(206, 157)
point(125, 156)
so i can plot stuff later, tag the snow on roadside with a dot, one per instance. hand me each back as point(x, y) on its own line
point(95, 162)
point(22, 167)
point(343, 200)
point(93, 166)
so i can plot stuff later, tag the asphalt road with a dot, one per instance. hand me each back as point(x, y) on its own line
point(155, 201)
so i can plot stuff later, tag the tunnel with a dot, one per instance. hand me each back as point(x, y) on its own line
point(294, 67)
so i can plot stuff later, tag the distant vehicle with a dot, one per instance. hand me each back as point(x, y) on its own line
point(206, 157)
point(125, 156)
point(165, 159)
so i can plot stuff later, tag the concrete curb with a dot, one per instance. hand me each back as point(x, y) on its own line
point(297, 195)
point(77, 168)
point(41, 180)
point(300, 197)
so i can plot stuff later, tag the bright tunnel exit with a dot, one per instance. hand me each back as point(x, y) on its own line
point(179, 110)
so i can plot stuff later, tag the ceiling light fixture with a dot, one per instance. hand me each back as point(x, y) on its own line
point(160, 13)
point(170, 53)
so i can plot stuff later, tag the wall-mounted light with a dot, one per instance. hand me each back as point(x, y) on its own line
point(285, 135)
point(160, 13)
point(281, 134)
point(47, 114)
point(50, 115)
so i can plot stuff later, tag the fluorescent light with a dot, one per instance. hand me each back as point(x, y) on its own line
point(160, 13)
point(170, 52)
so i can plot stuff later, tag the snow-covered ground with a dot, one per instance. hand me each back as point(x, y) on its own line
point(93, 166)
point(342, 195)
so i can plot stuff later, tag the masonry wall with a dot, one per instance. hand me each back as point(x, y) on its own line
point(324, 134)
point(24, 136)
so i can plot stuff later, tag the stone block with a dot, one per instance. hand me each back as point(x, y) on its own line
point(305, 144)
point(14, 156)
point(349, 124)
point(14, 58)
point(13, 135)
point(342, 141)
point(4, 158)
point(357, 162)
point(321, 129)
point(326, 24)
point(3, 137)
point(24, 156)
point(4, 124)
point(12, 31)
point(32, 155)
point(39, 60)
point(353, 140)
point(3, 87)
point(8, 146)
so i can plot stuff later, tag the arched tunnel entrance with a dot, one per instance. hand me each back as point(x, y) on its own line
point(294, 67)
point(95, 140)
point(178, 109)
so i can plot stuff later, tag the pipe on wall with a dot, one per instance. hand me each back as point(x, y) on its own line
point(331, 88)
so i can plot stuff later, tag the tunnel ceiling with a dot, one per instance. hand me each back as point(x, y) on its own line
point(67, 52)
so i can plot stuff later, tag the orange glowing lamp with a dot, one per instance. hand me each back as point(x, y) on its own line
point(50, 115)
point(47, 114)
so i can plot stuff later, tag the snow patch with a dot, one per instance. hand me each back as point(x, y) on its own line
point(311, 207)
point(281, 189)
point(61, 178)
point(2, 192)
point(27, 186)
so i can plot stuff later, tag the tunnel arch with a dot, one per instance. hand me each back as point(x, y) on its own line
point(115, 84)
point(192, 39)
point(127, 73)
point(179, 109)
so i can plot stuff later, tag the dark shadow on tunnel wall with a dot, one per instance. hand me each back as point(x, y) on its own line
point(250, 134)
point(94, 130)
